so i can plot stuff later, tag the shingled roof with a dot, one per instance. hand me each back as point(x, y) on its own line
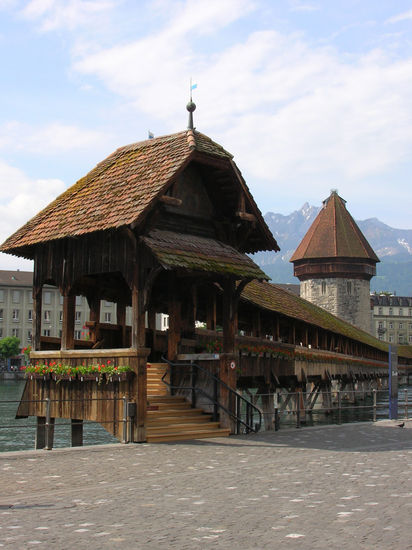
point(189, 252)
point(334, 234)
point(273, 298)
point(120, 190)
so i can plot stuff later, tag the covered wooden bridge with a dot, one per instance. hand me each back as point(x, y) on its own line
point(164, 226)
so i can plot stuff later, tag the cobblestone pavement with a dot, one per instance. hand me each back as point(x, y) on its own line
point(337, 487)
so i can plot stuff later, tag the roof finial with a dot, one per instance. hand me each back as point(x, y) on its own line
point(191, 106)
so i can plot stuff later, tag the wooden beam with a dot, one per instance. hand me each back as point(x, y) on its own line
point(171, 201)
point(77, 432)
point(245, 216)
point(69, 308)
point(175, 319)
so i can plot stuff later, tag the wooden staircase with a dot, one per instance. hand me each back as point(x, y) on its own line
point(171, 418)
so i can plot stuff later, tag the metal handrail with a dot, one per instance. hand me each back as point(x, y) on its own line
point(236, 416)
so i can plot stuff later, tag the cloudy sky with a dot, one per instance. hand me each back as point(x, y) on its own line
point(308, 95)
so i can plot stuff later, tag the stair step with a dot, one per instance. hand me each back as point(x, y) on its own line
point(182, 419)
point(162, 413)
point(183, 427)
point(178, 436)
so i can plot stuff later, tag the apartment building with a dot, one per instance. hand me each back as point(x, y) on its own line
point(392, 318)
point(16, 309)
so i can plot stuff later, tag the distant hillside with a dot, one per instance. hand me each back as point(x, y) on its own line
point(393, 247)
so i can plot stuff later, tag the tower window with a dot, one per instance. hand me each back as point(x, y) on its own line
point(323, 288)
point(349, 287)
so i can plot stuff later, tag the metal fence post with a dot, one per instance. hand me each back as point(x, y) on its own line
point(339, 407)
point(297, 410)
point(406, 403)
point(49, 441)
point(125, 439)
point(374, 404)
point(277, 418)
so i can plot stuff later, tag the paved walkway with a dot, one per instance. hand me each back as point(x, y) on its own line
point(346, 487)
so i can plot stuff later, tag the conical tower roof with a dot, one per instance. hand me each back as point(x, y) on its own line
point(334, 234)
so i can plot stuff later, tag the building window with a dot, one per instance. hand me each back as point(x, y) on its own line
point(410, 313)
point(107, 317)
point(47, 315)
point(1, 295)
point(29, 335)
point(30, 315)
point(77, 334)
point(401, 338)
point(380, 311)
point(60, 316)
point(47, 297)
point(78, 316)
point(46, 332)
point(390, 311)
point(390, 338)
point(410, 338)
point(323, 288)
point(15, 332)
point(165, 322)
point(400, 311)
point(30, 296)
point(15, 315)
point(390, 325)
point(349, 287)
point(380, 337)
point(1, 315)
point(380, 324)
point(1, 333)
point(16, 296)
point(400, 326)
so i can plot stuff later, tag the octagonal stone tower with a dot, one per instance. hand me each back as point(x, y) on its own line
point(335, 263)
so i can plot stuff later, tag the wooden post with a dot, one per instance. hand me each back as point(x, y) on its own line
point(138, 314)
point(211, 312)
point(227, 358)
point(37, 303)
point(69, 308)
point(152, 326)
point(94, 305)
point(121, 320)
point(40, 439)
point(77, 432)
point(175, 309)
point(139, 421)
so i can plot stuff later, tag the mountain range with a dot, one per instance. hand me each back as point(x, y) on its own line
point(392, 246)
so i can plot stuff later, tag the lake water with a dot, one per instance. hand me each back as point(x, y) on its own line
point(18, 435)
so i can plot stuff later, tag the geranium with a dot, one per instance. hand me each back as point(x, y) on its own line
point(59, 369)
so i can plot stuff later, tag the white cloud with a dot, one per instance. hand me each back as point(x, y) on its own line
point(400, 17)
point(288, 110)
point(53, 138)
point(21, 199)
point(67, 14)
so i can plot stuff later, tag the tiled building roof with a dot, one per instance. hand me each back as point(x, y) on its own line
point(121, 189)
point(273, 298)
point(176, 250)
point(334, 234)
point(384, 300)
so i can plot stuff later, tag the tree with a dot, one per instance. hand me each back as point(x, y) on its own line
point(9, 347)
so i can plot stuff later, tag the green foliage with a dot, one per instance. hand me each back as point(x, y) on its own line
point(9, 347)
